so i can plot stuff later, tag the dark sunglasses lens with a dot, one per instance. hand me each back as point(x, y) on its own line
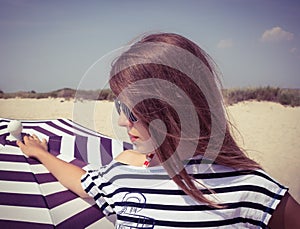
point(126, 111)
point(118, 106)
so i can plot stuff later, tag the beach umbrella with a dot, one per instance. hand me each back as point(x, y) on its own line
point(30, 197)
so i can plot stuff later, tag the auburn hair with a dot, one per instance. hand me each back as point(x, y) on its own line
point(144, 62)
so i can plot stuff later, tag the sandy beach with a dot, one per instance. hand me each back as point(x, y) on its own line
point(268, 131)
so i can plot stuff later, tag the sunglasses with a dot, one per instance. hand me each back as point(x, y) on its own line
point(129, 115)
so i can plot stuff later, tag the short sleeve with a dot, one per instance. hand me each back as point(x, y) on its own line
point(267, 194)
point(90, 182)
point(277, 191)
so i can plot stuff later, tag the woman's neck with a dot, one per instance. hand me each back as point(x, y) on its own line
point(134, 158)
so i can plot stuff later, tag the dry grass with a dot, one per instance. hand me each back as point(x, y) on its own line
point(288, 97)
point(66, 93)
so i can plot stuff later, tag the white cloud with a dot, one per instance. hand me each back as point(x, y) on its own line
point(225, 44)
point(276, 34)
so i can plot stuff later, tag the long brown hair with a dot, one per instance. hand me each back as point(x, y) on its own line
point(161, 97)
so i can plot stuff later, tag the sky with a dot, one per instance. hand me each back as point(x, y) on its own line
point(49, 45)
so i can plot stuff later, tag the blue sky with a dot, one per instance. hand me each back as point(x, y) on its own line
point(48, 45)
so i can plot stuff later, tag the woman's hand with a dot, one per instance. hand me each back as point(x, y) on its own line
point(33, 146)
point(67, 174)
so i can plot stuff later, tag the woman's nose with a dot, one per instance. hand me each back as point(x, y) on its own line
point(123, 120)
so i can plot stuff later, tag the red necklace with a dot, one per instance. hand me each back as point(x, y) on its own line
point(148, 160)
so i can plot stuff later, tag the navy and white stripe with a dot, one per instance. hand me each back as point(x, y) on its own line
point(148, 198)
point(30, 197)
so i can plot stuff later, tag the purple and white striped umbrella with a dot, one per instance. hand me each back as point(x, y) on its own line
point(30, 197)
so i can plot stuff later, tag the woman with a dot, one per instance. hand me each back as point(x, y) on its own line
point(186, 170)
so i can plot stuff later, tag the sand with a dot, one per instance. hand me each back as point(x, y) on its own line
point(268, 131)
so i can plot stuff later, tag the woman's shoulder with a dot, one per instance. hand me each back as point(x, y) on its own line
point(131, 157)
point(249, 179)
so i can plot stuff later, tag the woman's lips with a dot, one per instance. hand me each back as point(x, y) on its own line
point(133, 138)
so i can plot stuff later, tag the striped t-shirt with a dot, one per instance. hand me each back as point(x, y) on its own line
point(148, 198)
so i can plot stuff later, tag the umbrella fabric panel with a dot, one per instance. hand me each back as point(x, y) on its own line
point(21, 201)
point(91, 147)
point(70, 142)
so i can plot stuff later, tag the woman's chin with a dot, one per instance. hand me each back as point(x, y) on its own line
point(142, 149)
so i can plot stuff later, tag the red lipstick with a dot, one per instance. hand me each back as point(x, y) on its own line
point(133, 138)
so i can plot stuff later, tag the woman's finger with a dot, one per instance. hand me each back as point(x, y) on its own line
point(35, 137)
point(20, 144)
point(26, 138)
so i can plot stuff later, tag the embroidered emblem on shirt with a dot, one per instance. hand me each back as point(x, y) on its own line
point(129, 216)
